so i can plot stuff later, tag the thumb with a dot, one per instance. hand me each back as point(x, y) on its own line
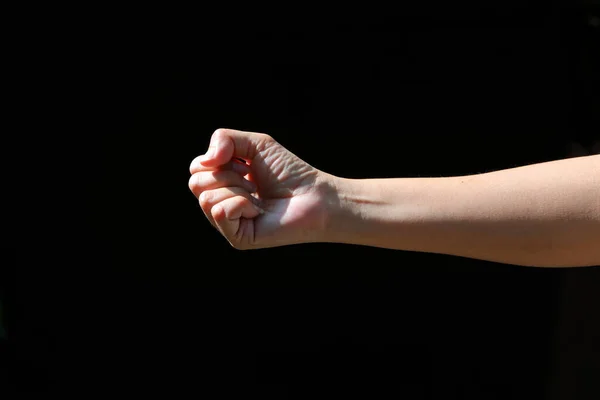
point(228, 143)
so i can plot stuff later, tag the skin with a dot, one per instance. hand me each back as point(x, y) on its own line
point(543, 215)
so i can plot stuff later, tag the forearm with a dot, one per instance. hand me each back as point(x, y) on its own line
point(544, 214)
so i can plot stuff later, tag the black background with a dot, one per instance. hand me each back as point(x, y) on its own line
point(142, 294)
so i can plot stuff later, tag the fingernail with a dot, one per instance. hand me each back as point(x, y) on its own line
point(260, 210)
point(241, 168)
point(251, 186)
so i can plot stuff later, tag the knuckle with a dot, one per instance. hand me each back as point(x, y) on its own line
point(205, 199)
point(193, 182)
point(220, 132)
point(267, 138)
point(194, 165)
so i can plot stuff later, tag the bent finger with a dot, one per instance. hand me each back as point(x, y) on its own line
point(209, 198)
point(237, 165)
point(229, 213)
point(208, 180)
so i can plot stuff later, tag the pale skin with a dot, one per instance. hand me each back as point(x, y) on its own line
point(539, 215)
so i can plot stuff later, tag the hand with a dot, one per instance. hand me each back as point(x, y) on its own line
point(257, 193)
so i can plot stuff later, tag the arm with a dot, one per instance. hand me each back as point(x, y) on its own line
point(545, 215)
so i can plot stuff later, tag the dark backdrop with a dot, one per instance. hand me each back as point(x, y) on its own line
point(143, 294)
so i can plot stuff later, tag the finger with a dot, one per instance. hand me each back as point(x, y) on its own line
point(236, 165)
point(207, 180)
point(227, 215)
point(209, 198)
point(228, 143)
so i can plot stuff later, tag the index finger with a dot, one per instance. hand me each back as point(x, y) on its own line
point(236, 164)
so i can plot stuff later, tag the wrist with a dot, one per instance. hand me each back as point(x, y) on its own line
point(393, 213)
point(350, 208)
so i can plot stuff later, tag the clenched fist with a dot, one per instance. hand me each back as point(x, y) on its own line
point(257, 193)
